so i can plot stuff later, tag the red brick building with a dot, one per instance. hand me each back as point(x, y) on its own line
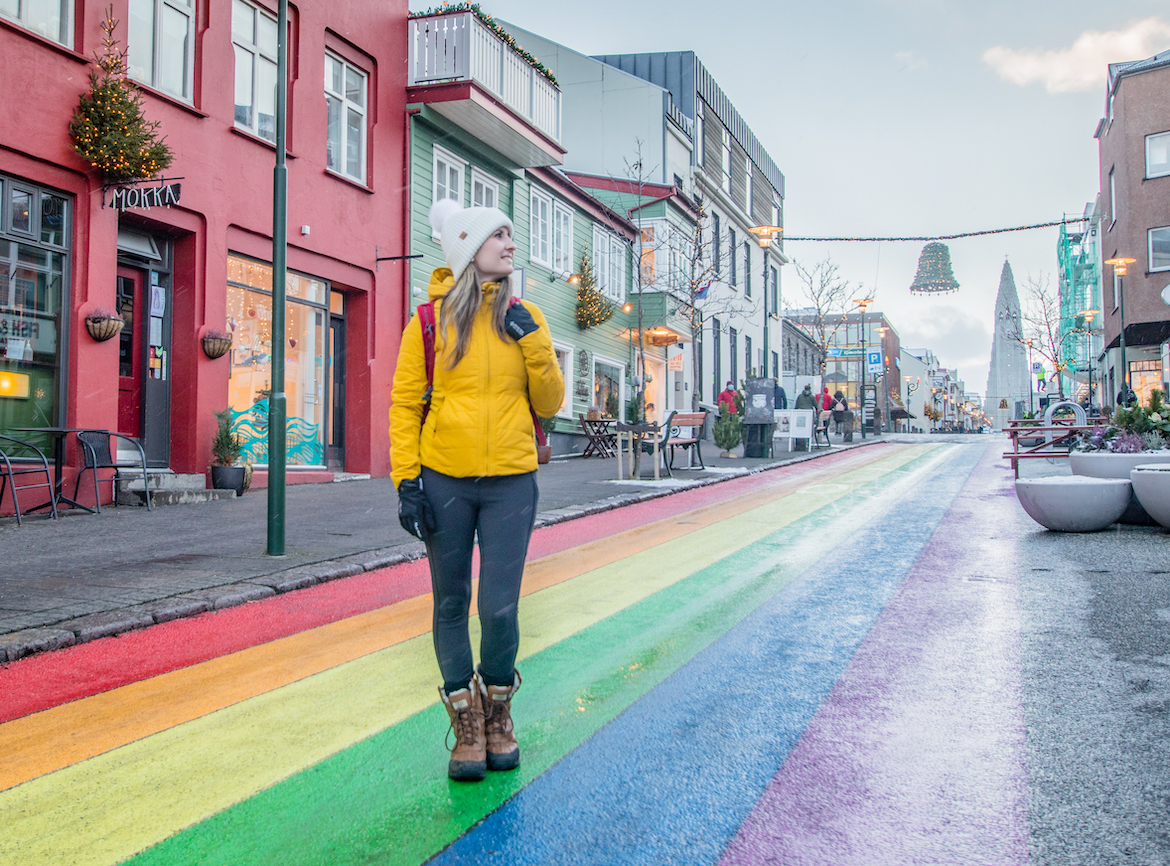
point(68, 246)
point(1134, 143)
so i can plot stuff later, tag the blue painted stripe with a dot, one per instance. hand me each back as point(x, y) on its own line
point(671, 779)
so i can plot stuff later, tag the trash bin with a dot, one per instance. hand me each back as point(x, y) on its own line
point(758, 417)
point(847, 427)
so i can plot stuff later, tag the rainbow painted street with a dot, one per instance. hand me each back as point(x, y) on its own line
point(870, 658)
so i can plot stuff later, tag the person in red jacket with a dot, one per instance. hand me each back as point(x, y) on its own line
point(727, 398)
point(826, 399)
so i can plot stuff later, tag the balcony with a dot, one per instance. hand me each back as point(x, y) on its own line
point(467, 73)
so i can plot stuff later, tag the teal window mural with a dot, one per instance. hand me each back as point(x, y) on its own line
point(249, 318)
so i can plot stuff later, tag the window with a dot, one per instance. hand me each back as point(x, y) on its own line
point(698, 133)
point(748, 180)
point(775, 289)
point(562, 239)
point(249, 319)
point(254, 39)
point(160, 44)
point(649, 256)
point(34, 241)
point(1112, 198)
point(726, 161)
point(609, 265)
point(1160, 249)
point(345, 100)
point(716, 246)
point(1116, 289)
point(447, 176)
point(747, 269)
point(775, 366)
point(609, 387)
point(777, 213)
point(733, 352)
point(748, 368)
point(734, 280)
point(540, 229)
point(565, 362)
point(49, 18)
point(716, 358)
point(1158, 154)
point(485, 190)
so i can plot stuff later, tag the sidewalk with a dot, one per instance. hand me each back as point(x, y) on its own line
point(87, 576)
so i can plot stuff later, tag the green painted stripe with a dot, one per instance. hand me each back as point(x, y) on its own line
point(386, 800)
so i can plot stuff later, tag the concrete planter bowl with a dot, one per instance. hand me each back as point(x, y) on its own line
point(1074, 503)
point(1104, 464)
point(1151, 486)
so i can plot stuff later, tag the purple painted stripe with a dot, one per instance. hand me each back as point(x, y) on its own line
point(918, 755)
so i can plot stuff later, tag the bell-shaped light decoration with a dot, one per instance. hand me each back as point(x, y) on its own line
point(935, 276)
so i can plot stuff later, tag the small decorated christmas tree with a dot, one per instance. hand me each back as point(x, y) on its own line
point(935, 276)
point(728, 431)
point(593, 308)
point(108, 128)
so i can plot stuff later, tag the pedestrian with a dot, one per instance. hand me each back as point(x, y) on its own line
point(840, 407)
point(727, 398)
point(805, 399)
point(779, 397)
point(825, 400)
point(466, 467)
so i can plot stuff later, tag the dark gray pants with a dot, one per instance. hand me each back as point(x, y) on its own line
point(500, 511)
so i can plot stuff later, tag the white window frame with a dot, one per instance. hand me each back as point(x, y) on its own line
point(609, 265)
point(562, 234)
point(621, 367)
point(346, 106)
point(443, 158)
point(700, 147)
point(725, 183)
point(749, 180)
point(1150, 248)
point(258, 54)
point(648, 253)
point(185, 8)
point(540, 214)
point(1116, 289)
point(566, 410)
point(486, 183)
point(1150, 139)
point(1112, 197)
point(64, 34)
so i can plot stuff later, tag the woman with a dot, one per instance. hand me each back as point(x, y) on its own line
point(840, 407)
point(470, 468)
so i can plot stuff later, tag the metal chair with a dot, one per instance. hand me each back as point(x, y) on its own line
point(11, 470)
point(822, 429)
point(95, 448)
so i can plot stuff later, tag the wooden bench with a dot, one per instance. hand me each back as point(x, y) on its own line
point(683, 420)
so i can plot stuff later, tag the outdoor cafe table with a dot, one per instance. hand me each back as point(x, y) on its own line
point(634, 434)
point(59, 434)
point(602, 441)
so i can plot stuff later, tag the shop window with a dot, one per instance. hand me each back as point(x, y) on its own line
point(485, 190)
point(50, 18)
point(33, 267)
point(160, 44)
point(254, 38)
point(609, 387)
point(249, 318)
point(345, 100)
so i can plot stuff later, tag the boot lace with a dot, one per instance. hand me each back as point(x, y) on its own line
point(497, 718)
point(463, 726)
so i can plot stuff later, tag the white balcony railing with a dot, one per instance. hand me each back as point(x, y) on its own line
point(458, 47)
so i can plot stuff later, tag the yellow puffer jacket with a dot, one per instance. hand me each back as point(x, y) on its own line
point(479, 423)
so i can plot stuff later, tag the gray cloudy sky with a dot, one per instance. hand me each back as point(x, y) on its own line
point(903, 117)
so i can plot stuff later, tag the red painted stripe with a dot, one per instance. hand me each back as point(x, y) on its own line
point(46, 680)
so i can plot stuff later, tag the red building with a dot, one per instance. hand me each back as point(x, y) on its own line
point(180, 264)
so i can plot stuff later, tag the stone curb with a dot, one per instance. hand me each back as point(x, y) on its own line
point(68, 633)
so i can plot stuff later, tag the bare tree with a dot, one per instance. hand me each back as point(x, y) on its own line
point(827, 294)
point(1041, 328)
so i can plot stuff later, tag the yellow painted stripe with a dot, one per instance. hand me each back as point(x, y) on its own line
point(55, 738)
point(106, 809)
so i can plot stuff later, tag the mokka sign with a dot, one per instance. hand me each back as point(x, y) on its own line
point(127, 197)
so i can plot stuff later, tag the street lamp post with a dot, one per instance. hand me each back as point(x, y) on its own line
point(1089, 314)
point(1031, 381)
point(1120, 266)
point(863, 303)
point(911, 387)
point(765, 233)
point(277, 400)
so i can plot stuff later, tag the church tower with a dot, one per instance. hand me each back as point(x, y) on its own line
point(1009, 378)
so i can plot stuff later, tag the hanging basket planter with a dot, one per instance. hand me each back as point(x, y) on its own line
point(216, 344)
point(103, 328)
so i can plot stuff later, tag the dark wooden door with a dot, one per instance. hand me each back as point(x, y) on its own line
point(129, 300)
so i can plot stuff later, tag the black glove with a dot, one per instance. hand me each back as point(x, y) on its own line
point(414, 509)
point(518, 322)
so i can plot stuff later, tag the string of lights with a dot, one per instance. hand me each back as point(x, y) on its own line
point(946, 237)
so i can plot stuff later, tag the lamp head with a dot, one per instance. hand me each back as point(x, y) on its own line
point(1120, 264)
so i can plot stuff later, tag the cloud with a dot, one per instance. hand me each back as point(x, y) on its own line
point(1082, 66)
point(908, 61)
point(959, 338)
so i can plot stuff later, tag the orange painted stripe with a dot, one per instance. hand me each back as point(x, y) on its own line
point(59, 737)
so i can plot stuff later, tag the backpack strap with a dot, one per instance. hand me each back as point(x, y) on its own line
point(426, 320)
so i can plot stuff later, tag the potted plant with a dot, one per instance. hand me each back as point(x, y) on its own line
point(216, 343)
point(593, 413)
point(544, 452)
point(225, 454)
point(103, 324)
point(1136, 435)
point(727, 432)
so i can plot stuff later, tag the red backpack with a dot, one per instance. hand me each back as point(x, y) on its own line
point(426, 320)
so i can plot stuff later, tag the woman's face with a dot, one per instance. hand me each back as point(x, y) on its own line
point(493, 260)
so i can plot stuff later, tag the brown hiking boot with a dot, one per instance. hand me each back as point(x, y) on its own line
point(468, 759)
point(503, 752)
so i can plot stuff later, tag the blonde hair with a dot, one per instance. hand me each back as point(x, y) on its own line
point(460, 306)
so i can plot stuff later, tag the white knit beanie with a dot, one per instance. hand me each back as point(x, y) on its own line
point(462, 231)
